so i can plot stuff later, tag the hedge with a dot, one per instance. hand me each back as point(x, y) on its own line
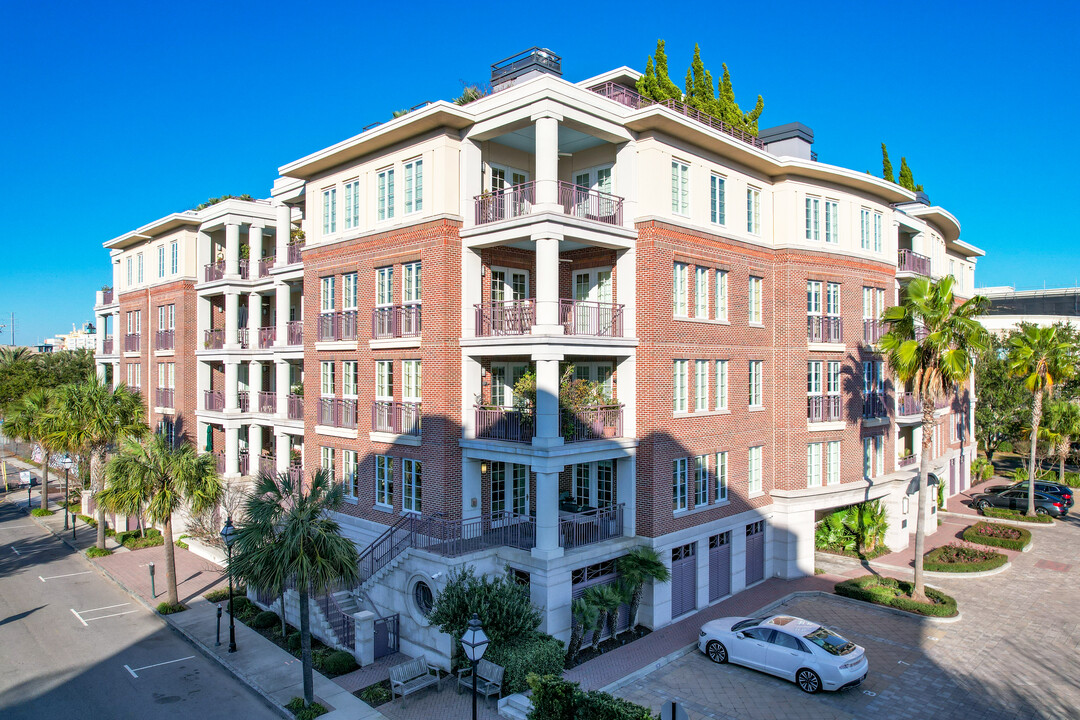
point(302, 712)
point(894, 593)
point(556, 699)
point(42, 512)
point(336, 662)
point(167, 608)
point(1014, 515)
point(981, 533)
point(932, 560)
point(534, 653)
point(265, 619)
point(222, 594)
point(134, 540)
point(95, 551)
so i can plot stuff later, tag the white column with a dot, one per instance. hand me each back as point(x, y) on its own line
point(232, 250)
point(547, 286)
point(115, 373)
point(254, 448)
point(255, 250)
point(99, 333)
point(202, 384)
point(626, 170)
point(472, 284)
point(547, 402)
point(471, 485)
point(232, 451)
point(626, 289)
point(547, 161)
point(254, 384)
point(281, 451)
point(470, 180)
point(232, 320)
point(627, 392)
point(281, 308)
point(626, 492)
point(282, 383)
point(547, 516)
point(203, 256)
point(282, 228)
point(471, 386)
point(232, 368)
point(254, 319)
point(100, 369)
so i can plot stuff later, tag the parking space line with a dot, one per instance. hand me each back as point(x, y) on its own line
point(54, 577)
point(107, 607)
point(147, 667)
point(126, 612)
point(76, 614)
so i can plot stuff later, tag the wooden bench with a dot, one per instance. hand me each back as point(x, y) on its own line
point(489, 677)
point(413, 676)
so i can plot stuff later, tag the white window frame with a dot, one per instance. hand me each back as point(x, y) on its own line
point(701, 292)
point(679, 283)
point(832, 299)
point(756, 394)
point(326, 461)
point(832, 222)
point(349, 291)
point(326, 378)
point(412, 484)
point(384, 194)
point(813, 465)
point(680, 370)
point(384, 380)
point(414, 185)
point(813, 297)
point(349, 378)
point(161, 261)
point(701, 385)
point(680, 188)
point(327, 293)
point(879, 455)
point(679, 489)
point(352, 203)
point(349, 479)
point(754, 300)
point(813, 218)
point(384, 286)
point(868, 457)
point(721, 384)
point(411, 273)
point(384, 481)
point(832, 377)
point(174, 264)
point(717, 209)
point(701, 480)
point(753, 470)
point(813, 377)
point(140, 276)
point(753, 210)
point(411, 373)
point(832, 476)
point(129, 275)
point(329, 208)
point(721, 477)
point(877, 235)
point(722, 295)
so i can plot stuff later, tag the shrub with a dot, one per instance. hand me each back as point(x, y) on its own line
point(1005, 447)
point(180, 542)
point(998, 535)
point(243, 609)
point(897, 594)
point(133, 540)
point(336, 662)
point(375, 694)
point(222, 594)
point(293, 641)
point(505, 607)
point(95, 551)
point(533, 653)
point(556, 699)
point(1005, 514)
point(167, 608)
point(42, 512)
point(958, 558)
point(265, 619)
point(302, 712)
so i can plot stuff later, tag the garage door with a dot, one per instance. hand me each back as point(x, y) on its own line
point(719, 566)
point(683, 579)
point(755, 552)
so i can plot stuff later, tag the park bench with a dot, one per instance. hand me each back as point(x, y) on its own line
point(413, 676)
point(489, 677)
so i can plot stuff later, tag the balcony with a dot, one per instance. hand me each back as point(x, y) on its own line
point(824, 408)
point(214, 339)
point(244, 465)
point(107, 297)
point(132, 342)
point(874, 406)
point(214, 400)
point(242, 335)
point(908, 404)
point(872, 331)
point(913, 262)
point(508, 317)
point(265, 264)
point(578, 317)
point(268, 464)
point(592, 423)
point(294, 332)
point(267, 402)
point(163, 397)
point(293, 255)
point(107, 346)
point(267, 336)
point(511, 202)
point(395, 321)
point(824, 329)
point(214, 271)
point(591, 526)
point(399, 418)
point(907, 460)
point(243, 400)
point(582, 202)
point(337, 326)
point(337, 412)
point(164, 339)
point(511, 424)
point(295, 407)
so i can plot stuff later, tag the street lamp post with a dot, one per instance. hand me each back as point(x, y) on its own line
point(228, 534)
point(474, 642)
point(67, 496)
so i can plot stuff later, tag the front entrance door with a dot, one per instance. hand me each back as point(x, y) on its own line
point(592, 295)
point(683, 579)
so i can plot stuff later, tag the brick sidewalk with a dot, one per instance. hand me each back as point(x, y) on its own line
point(195, 576)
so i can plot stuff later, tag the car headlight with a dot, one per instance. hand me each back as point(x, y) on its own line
point(701, 634)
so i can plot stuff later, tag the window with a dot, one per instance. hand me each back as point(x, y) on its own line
point(871, 376)
point(384, 379)
point(754, 300)
point(326, 368)
point(605, 483)
point(517, 492)
point(756, 397)
point(385, 197)
point(813, 377)
point(411, 370)
point(504, 377)
point(414, 186)
point(679, 392)
point(716, 200)
point(701, 480)
point(384, 286)
point(582, 483)
point(329, 211)
point(679, 289)
point(139, 264)
point(833, 476)
point(161, 261)
point(327, 294)
point(701, 385)
point(175, 250)
point(327, 461)
point(877, 232)
point(832, 221)
point(867, 458)
point(680, 188)
point(411, 483)
point(721, 295)
point(879, 454)
point(678, 484)
point(873, 456)
point(832, 299)
point(422, 596)
point(813, 465)
point(813, 218)
point(832, 376)
point(348, 473)
point(129, 272)
point(701, 292)
point(721, 384)
point(721, 476)
point(348, 281)
point(412, 282)
point(870, 230)
point(753, 472)
point(813, 297)
point(753, 210)
point(352, 204)
point(348, 378)
point(384, 480)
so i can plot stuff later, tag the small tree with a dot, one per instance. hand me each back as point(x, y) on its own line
point(906, 180)
point(606, 600)
point(1061, 428)
point(886, 165)
point(32, 420)
point(583, 618)
point(639, 566)
point(655, 83)
point(1000, 413)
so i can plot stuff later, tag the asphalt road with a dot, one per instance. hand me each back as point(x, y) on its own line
point(74, 645)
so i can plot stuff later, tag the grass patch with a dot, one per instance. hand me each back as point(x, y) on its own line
point(303, 711)
point(837, 550)
point(167, 608)
point(894, 593)
point(42, 512)
point(1014, 515)
point(134, 540)
point(95, 552)
point(180, 542)
point(375, 695)
point(958, 558)
point(998, 535)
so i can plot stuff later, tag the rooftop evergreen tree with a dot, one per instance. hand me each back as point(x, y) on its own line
point(906, 180)
point(699, 85)
point(886, 165)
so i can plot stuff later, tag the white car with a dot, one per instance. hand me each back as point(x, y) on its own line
point(808, 654)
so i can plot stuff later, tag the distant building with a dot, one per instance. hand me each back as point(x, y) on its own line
point(77, 339)
point(1009, 308)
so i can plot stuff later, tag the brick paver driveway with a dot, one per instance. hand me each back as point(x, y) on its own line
point(1013, 654)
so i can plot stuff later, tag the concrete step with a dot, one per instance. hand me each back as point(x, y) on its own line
point(516, 707)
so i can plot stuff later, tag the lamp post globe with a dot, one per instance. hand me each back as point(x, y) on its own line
point(228, 535)
point(474, 642)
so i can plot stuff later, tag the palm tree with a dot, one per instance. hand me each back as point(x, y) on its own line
point(1042, 359)
point(606, 600)
point(639, 566)
point(583, 618)
point(164, 477)
point(1061, 428)
point(289, 533)
point(930, 343)
point(10, 355)
point(95, 418)
point(30, 419)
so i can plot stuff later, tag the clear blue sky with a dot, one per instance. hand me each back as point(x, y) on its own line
point(118, 113)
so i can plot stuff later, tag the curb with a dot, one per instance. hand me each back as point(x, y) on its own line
point(863, 604)
point(1006, 521)
point(652, 666)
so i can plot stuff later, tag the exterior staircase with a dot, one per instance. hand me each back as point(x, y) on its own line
point(516, 707)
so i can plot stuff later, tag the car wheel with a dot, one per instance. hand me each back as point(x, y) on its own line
point(1041, 511)
point(716, 651)
point(983, 505)
point(808, 681)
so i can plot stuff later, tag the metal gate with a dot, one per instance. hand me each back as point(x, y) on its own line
point(755, 552)
point(683, 579)
point(719, 566)
point(386, 636)
point(603, 573)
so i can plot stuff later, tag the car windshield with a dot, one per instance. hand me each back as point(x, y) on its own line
point(743, 624)
point(830, 641)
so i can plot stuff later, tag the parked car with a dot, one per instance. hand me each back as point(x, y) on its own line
point(1062, 491)
point(1045, 504)
point(810, 655)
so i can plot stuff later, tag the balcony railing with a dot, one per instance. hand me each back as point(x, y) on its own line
point(214, 271)
point(824, 329)
point(132, 342)
point(505, 423)
point(164, 339)
point(106, 297)
point(337, 412)
point(164, 397)
point(267, 402)
point(293, 255)
point(337, 325)
point(631, 99)
point(511, 202)
point(909, 261)
point(507, 317)
point(265, 264)
point(872, 331)
point(214, 400)
point(824, 408)
point(107, 346)
point(219, 462)
point(268, 464)
point(296, 473)
point(294, 331)
point(244, 265)
point(908, 404)
point(214, 339)
point(591, 526)
point(243, 399)
point(874, 406)
point(592, 423)
point(242, 337)
point(399, 418)
point(582, 202)
point(907, 460)
point(267, 335)
point(395, 321)
point(244, 466)
point(582, 317)
point(295, 407)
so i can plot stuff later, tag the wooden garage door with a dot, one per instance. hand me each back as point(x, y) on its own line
point(719, 566)
point(683, 579)
point(755, 552)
